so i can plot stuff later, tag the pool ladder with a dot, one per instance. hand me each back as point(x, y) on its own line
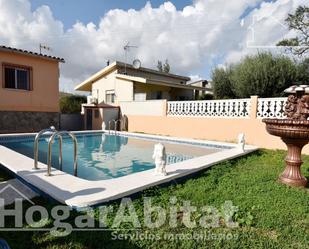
point(115, 125)
point(59, 134)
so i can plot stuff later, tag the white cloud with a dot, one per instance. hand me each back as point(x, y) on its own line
point(192, 39)
point(265, 27)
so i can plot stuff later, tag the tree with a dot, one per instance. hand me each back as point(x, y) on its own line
point(160, 66)
point(222, 83)
point(264, 74)
point(205, 96)
point(303, 71)
point(163, 67)
point(71, 103)
point(298, 22)
point(166, 67)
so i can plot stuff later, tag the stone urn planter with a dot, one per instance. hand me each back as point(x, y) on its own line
point(294, 132)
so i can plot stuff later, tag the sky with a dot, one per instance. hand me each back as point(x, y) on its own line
point(195, 36)
point(71, 11)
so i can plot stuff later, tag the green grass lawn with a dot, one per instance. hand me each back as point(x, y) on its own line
point(271, 215)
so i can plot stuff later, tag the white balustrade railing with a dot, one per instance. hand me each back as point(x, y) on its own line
point(229, 108)
point(271, 108)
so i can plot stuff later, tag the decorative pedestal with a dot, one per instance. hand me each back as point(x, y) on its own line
point(292, 175)
point(294, 132)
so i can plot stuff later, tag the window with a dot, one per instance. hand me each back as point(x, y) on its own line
point(110, 96)
point(16, 77)
point(156, 95)
point(139, 96)
point(182, 98)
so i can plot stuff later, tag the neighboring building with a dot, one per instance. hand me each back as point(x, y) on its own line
point(119, 82)
point(29, 96)
point(206, 88)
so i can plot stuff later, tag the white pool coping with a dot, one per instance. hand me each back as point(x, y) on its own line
point(78, 193)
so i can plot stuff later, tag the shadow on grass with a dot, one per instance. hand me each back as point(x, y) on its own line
point(5, 174)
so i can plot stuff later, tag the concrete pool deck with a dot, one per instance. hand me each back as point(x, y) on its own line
point(78, 193)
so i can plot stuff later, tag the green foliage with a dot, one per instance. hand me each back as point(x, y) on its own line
point(289, 42)
point(303, 71)
point(205, 96)
point(164, 67)
point(264, 74)
point(298, 22)
point(71, 103)
point(222, 86)
point(160, 66)
point(271, 215)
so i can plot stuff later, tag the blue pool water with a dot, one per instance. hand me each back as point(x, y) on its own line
point(102, 156)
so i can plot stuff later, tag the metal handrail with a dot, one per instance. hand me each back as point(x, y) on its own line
point(36, 144)
point(115, 125)
point(116, 122)
point(50, 142)
point(109, 125)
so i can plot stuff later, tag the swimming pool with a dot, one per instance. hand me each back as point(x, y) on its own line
point(110, 167)
point(104, 156)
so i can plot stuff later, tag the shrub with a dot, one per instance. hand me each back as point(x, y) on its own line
point(222, 84)
point(71, 103)
point(303, 71)
point(264, 74)
point(205, 96)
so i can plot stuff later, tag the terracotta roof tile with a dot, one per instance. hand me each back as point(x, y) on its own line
point(27, 52)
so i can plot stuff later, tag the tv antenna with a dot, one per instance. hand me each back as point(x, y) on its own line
point(45, 47)
point(126, 49)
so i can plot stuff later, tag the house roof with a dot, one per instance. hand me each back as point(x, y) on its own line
point(157, 82)
point(196, 82)
point(101, 106)
point(86, 85)
point(206, 88)
point(30, 53)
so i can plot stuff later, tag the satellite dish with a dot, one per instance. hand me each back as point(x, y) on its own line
point(137, 64)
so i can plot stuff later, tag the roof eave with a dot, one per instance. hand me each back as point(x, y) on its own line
point(149, 70)
point(32, 54)
point(84, 85)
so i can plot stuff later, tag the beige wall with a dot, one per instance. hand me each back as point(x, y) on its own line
point(144, 108)
point(123, 89)
point(44, 96)
point(217, 129)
